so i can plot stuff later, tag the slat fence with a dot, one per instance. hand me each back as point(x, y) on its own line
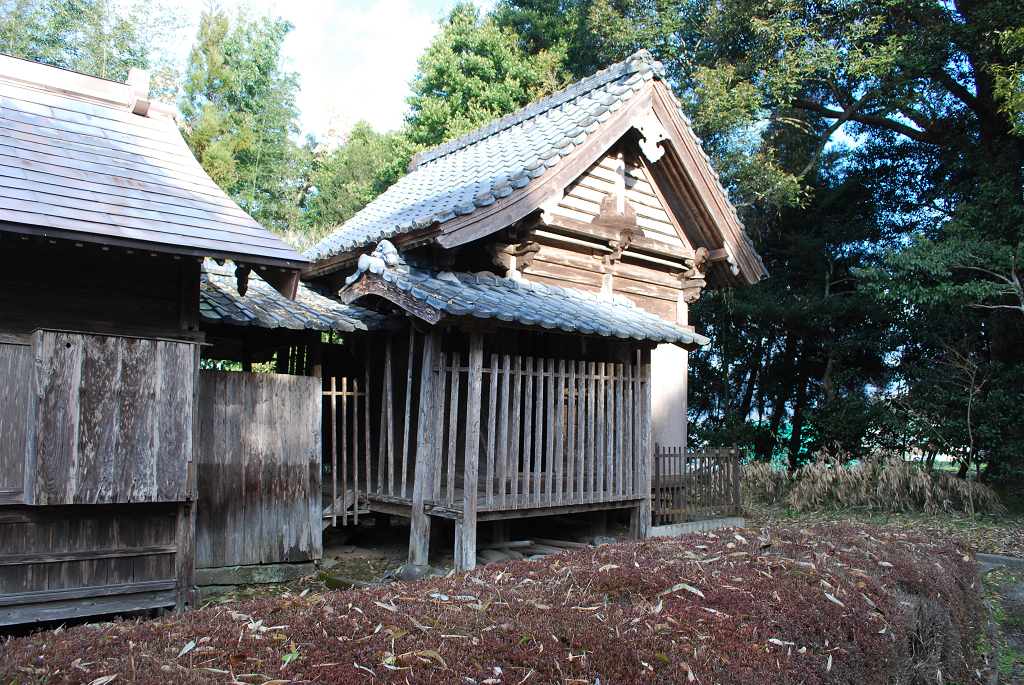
point(688, 486)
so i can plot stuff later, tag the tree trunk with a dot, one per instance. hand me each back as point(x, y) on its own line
point(799, 408)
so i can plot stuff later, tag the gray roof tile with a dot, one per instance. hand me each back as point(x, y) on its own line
point(487, 296)
point(456, 178)
point(263, 306)
point(73, 157)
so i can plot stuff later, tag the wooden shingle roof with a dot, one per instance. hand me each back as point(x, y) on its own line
point(89, 159)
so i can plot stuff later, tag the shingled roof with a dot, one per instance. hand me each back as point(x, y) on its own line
point(264, 307)
point(449, 185)
point(95, 160)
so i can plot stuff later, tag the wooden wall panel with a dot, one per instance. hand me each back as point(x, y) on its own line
point(110, 419)
point(15, 370)
point(259, 469)
point(63, 561)
point(62, 286)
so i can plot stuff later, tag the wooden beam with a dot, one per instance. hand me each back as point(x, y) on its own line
point(370, 284)
point(93, 606)
point(38, 596)
point(84, 555)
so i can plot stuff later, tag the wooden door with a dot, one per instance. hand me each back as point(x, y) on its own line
point(258, 469)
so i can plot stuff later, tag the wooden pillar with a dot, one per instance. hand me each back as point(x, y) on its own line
point(599, 523)
point(465, 529)
point(186, 596)
point(502, 531)
point(643, 514)
point(419, 533)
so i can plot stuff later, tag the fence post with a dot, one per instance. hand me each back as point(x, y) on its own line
point(736, 479)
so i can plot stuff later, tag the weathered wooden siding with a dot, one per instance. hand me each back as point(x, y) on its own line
point(110, 419)
point(86, 288)
point(15, 368)
point(64, 561)
point(582, 199)
point(258, 469)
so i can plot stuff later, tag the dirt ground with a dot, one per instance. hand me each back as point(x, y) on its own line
point(371, 553)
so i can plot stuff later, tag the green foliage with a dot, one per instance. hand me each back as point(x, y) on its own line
point(474, 72)
point(347, 178)
point(240, 113)
point(96, 37)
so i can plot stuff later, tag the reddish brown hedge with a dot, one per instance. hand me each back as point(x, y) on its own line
point(781, 605)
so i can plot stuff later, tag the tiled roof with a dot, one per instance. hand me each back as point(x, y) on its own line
point(456, 178)
point(263, 306)
point(487, 296)
point(76, 158)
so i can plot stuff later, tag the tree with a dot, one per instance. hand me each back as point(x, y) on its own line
point(96, 37)
point(474, 72)
point(343, 180)
point(240, 114)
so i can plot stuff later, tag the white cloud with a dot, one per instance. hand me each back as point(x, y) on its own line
point(355, 57)
point(358, 60)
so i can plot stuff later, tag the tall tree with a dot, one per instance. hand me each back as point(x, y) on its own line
point(473, 72)
point(240, 113)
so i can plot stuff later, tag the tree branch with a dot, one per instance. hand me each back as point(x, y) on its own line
point(868, 120)
point(843, 118)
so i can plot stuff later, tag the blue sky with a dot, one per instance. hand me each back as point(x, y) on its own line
point(355, 57)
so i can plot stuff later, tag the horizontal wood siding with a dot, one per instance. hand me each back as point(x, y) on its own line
point(258, 469)
point(110, 419)
point(582, 199)
point(63, 561)
point(62, 286)
point(15, 370)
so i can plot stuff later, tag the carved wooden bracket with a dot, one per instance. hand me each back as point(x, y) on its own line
point(623, 223)
point(371, 284)
point(692, 280)
point(502, 253)
point(242, 278)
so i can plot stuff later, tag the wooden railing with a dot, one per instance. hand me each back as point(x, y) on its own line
point(687, 486)
point(346, 443)
point(551, 432)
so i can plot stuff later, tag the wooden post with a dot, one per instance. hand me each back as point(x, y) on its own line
point(599, 523)
point(647, 455)
point(465, 530)
point(185, 558)
point(502, 530)
point(419, 533)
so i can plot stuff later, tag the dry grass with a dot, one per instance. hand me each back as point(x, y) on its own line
point(889, 484)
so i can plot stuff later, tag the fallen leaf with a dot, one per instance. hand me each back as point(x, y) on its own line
point(104, 679)
point(608, 567)
point(431, 654)
point(833, 599)
point(184, 650)
point(682, 586)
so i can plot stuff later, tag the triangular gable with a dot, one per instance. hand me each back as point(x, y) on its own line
point(491, 178)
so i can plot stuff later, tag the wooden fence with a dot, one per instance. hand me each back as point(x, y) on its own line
point(551, 432)
point(529, 432)
point(346, 402)
point(691, 485)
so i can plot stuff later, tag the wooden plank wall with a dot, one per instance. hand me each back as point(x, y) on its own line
point(258, 469)
point(15, 370)
point(582, 199)
point(110, 419)
point(64, 561)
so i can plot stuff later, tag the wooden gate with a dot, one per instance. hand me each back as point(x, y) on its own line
point(258, 469)
point(689, 486)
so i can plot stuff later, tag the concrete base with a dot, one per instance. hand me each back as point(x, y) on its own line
point(253, 575)
point(696, 526)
